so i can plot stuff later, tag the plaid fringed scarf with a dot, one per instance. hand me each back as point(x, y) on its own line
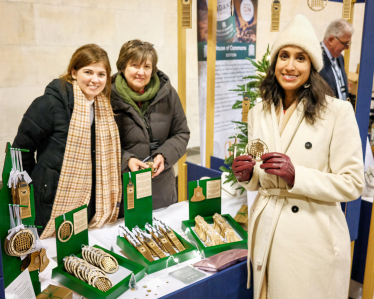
point(75, 183)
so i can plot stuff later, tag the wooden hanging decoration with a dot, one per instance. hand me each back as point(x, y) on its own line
point(256, 148)
point(186, 13)
point(346, 14)
point(65, 230)
point(44, 260)
point(275, 16)
point(197, 194)
point(23, 192)
point(130, 194)
point(245, 106)
point(317, 5)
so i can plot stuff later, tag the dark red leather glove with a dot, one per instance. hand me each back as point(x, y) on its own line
point(280, 165)
point(243, 167)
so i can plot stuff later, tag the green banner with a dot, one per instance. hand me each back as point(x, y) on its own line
point(228, 51)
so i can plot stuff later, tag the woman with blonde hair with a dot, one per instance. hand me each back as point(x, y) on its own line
point(72, 130)
point(299, 241)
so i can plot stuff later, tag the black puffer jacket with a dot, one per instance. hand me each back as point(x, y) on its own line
point(169, 125)
point(44, 129)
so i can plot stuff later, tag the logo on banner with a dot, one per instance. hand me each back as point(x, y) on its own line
point(251, 50)
point(247, 10)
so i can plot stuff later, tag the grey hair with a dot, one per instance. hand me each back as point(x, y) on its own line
point(338, 28)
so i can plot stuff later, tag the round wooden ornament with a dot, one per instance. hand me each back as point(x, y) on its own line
point(256, 148)
point(65, 231)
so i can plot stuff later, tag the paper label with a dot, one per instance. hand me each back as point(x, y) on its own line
point(187, 274)
point(80, 221)
point(21, 287)
point(143, 184)
point(213, 189)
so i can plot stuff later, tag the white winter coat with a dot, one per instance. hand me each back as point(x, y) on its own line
point(299, 235)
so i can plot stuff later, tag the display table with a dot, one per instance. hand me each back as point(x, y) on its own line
point(159, 284)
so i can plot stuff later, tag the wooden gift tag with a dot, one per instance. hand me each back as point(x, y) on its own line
point(144, 252)
point(245, 106)
point(275, 16)
point(23, 191)
point(175, 241)
point(346, 15)
point(155, 248)
point(130, 194)
point(198, 194)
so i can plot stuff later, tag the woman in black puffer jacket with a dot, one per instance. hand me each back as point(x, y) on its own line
point(70, 105)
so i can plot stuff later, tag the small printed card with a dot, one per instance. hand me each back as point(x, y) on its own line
point(213, 189)
point(143, 184)
point(80, 221)
point(187, 274)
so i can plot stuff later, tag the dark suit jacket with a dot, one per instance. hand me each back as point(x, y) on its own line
point(327, 72)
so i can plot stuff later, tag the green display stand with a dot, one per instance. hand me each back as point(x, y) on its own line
point(207, 207)
point(151, 267)
point(209, 251)
point(11, 264)
point(74, 246)
point(61, 276)
point(139, 216)
point(143, 207)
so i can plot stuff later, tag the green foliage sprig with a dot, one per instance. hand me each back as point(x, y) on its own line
point(253, 94)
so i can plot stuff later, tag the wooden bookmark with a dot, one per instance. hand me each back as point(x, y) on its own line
point(275, 16)
point(130, 194)
point(245, 106)
point(24, 198)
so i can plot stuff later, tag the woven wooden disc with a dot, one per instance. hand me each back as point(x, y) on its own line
point(22, 242)
point(109, 264)
point(256, 148)
point(65, 231)
point(103, 283)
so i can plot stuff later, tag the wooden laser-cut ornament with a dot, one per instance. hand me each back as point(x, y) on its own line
point(245, 108)
point(317, 5)
point(130, 194)
point(346, 14)
point(197, 194)
point(256, 148)
point(23, 190)
point(65, 230)
point(275, 16)
point(186, 13)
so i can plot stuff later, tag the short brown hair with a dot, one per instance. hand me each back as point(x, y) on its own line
point(137, 51)
point(86, 55)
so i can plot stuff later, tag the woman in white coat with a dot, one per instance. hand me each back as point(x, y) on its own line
point(299, 242)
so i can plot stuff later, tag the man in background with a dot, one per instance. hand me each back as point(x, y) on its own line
point(337, 38)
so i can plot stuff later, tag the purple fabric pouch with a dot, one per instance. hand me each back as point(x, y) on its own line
point(222, 260)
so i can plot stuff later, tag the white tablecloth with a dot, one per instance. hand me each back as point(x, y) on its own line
point(158, 283)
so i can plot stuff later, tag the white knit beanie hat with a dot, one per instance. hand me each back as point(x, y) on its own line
point(300, 32)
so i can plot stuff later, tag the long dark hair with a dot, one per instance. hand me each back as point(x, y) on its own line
point(272, 92)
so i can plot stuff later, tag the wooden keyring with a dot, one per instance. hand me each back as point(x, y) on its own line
point(60, 227)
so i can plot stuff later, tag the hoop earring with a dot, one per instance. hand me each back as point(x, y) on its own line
point(306, 85)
